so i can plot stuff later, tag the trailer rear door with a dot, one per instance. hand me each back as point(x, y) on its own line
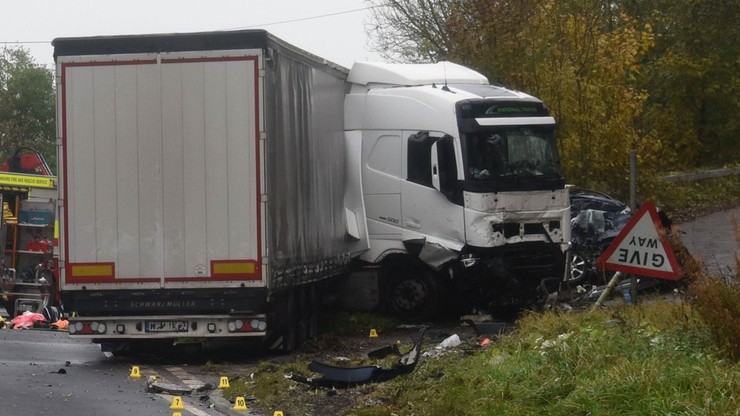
point(160, 171)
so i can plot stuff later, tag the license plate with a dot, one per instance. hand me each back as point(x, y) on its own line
point(166, 326)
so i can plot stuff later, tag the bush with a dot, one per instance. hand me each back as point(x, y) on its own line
point(718, 302)
point(685, 200)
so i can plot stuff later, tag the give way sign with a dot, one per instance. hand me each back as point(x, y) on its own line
point(641, 248)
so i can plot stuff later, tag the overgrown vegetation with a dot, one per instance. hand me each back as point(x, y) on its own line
point(655, 358)
point(683, 200)
point(717, 300)
point(357, 323)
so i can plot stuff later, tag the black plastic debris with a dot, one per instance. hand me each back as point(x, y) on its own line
point(345, 377)
point(383, 352)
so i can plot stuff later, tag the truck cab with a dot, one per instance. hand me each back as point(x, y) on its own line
point(462, 187)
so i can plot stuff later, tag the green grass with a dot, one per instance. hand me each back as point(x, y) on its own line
point(686, 199)
point(653, 359)
point(356, 323)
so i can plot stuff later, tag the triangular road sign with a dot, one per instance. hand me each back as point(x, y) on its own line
point(640, 248)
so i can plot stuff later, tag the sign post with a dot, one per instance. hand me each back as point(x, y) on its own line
point(641, 248)
point(613, 282)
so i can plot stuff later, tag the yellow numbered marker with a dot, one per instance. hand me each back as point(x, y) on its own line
point(240, 403)
point(135, 373)
point(177, 403)
point(223, 383)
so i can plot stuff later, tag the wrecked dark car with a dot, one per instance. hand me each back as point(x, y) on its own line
point(596, 219)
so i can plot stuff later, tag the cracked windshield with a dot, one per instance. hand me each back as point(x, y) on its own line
point(517, 152)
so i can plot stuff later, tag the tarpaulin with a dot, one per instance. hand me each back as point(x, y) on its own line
point(27, 320)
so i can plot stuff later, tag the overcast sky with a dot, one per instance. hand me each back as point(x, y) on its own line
point(331, 29)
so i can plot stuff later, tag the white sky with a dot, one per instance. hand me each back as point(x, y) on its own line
point(331, 29)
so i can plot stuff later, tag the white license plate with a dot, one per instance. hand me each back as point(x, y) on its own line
point(166, 326)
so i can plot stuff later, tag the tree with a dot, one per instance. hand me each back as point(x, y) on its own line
point(412, 30)
point(583, 61)
point(693, 75)
point(27, 103)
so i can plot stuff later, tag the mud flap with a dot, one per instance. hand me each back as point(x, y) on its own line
point(294, 318)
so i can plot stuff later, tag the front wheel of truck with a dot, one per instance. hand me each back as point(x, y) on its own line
point(412, 293)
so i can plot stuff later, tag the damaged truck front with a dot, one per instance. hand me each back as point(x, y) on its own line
point(463, 192)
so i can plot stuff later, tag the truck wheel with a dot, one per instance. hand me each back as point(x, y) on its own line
point(412, 294)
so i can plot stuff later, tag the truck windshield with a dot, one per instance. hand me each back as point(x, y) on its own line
point(512, 158)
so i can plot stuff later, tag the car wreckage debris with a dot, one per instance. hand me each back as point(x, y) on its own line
point(345, 377)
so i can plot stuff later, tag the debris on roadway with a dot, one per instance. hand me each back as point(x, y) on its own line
point(345, 377)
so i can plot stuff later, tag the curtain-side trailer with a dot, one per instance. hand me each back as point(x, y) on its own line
point(201, 187)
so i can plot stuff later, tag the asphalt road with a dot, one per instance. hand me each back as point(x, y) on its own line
point(38, 381)
point(46, 373)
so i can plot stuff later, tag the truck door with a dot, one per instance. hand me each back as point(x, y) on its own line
point(382, 173)
point(427, 213)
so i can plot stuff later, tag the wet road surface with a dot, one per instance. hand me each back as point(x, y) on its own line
point(46, 373)
point(712, 238)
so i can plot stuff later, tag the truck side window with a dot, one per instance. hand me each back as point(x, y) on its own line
point(420, 158)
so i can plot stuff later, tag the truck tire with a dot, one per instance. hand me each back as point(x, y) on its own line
point(412, 293)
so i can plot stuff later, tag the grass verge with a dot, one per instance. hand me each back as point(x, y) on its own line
point(655, 358)
point(685, 200)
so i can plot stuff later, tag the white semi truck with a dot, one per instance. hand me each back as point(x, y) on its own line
point(210, 184)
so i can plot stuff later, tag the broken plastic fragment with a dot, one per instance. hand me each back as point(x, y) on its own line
point(343, 377)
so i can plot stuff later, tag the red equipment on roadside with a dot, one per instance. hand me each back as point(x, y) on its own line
point(28, 161)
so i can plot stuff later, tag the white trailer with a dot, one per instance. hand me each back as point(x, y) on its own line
point(201, 186)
